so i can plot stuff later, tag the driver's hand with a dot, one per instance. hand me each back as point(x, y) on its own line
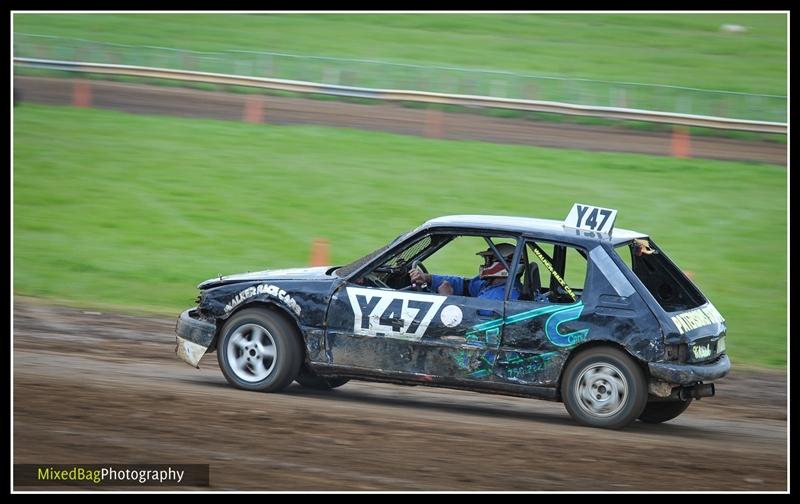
point(418, 277)
point(446, 289)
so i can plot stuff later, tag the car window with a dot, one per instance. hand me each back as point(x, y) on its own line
point(561, 269)
point(347, 269)
point(671, 288)
point(459, 257)
point(575, 269)
point(353, 266)
point(450, 255)
point(410, 253)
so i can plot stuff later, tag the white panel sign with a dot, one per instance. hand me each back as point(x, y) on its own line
point(392, 314)
point(591, 218)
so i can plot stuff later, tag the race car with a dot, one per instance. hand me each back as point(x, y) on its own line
point(595, 317)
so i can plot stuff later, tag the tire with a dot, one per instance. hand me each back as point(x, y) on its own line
point(662, 411)
point(604, 387)
point(308, 379)
point(259, 350)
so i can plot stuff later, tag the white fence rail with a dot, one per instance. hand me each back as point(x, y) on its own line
point(429, 78)
point(409, 96)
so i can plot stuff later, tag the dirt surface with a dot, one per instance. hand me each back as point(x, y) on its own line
point(93, 387)
point(184, 102)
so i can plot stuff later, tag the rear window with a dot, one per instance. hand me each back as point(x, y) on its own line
point(662, 278)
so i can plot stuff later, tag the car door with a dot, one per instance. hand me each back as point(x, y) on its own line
point(420, 333)
point(417, 333)
point(549, 320)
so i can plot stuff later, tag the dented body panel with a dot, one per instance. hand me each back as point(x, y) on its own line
point(519, 347)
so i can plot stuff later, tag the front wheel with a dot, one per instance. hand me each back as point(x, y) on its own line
point(604, 387)
point(259, 350)
point(662, 411)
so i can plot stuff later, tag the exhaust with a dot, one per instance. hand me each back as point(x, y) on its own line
point(696, 391)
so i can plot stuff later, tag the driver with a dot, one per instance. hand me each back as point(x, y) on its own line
point(490, 283)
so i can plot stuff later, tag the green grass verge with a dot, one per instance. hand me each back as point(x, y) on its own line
point(122, 210)
point(679, 49)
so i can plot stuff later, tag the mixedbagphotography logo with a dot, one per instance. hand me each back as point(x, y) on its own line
point(99, 475)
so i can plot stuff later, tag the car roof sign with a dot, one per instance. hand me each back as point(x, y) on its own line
point(591, 218)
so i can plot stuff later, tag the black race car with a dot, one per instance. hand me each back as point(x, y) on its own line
point(596, 317)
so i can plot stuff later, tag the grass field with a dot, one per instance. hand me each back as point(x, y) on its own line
point(133, 211)
point(678, 49)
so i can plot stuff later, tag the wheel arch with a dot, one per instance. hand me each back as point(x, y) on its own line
point(575, 351)
point(263, 305)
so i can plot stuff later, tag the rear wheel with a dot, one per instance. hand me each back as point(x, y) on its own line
point(259, 350)
point(309, 379)
point(604, 387)
point(662, 411)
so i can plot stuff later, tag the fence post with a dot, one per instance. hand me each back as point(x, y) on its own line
point(319, 252)
point(81, 94)
point(253, 109)
point(434, 123)
point(681, 142)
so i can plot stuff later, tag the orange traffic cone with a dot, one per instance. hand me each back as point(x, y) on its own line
point(319, 252)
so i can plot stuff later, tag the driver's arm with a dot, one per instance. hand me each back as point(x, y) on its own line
point(456, 282)
point(435, 281)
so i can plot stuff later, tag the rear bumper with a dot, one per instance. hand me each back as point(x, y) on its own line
point(687, 374)
point(194, 336)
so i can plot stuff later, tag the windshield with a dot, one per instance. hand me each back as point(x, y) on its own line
point(671, 288)
point(347, 269)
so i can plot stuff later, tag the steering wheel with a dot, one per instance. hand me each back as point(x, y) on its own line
point(416, 264)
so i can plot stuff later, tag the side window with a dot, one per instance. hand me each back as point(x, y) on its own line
point(561, 270)
point(662, 278)
point(575, 269)
point(625, 252)
point(455, 260)
point(459, 257)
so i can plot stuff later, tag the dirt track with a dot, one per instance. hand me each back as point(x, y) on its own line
point(107, 388)
point(392, 118)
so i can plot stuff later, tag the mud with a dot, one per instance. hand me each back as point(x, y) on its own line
point(98, 387)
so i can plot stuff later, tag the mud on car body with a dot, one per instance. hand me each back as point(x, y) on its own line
point(605, 323)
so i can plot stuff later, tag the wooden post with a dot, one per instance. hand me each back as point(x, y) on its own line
point(319, 252)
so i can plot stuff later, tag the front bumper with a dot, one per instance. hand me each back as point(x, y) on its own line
point(687, 374)
point(194, 336)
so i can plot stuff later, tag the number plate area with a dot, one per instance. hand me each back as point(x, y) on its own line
point(591, 218)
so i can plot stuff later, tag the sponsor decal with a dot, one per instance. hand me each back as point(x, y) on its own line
point(401, 315)
point(558, 314)
point(701, 351)
point(263, 289)
point(555, 275)
point(524, 368)
point(694, 319)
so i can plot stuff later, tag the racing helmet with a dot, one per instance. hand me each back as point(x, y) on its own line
point(492, 267)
